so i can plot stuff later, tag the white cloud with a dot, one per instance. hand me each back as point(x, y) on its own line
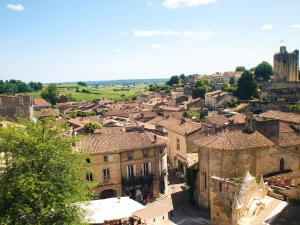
point(267, 27)
point(15, 7)
point(157, 46)
point(124, 33)
point(296, 26)
point(173, 4)
point(189, 34)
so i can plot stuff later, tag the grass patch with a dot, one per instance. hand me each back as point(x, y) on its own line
point(116, 92)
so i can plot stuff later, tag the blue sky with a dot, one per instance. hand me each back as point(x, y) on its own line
point(70, 40)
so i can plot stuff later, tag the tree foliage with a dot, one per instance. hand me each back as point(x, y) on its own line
point(175, 80)
point(51, 94)
point(240, 69)
point(42, 177)
point(65, 98)
point(247, 86)
point(81, 83)
point(201, 88)
point(18, 86)
point(91, 127)
point(263, 71)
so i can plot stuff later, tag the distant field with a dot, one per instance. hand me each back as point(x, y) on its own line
point(117, 92)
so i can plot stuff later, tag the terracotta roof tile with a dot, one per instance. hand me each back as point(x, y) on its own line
point(177, 126)
point(234, 140)
point(282, 116)
point(117, 142)
point(288, 136)
point(41, 102)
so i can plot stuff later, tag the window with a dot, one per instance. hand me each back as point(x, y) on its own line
point(178, 144)
point(89, 176)
point(220, 187)
point(130, 172)
point(105, 158)
point(205, 182)
point(281, 165)
point(88, 160)
point(145, 152)
point(106, 175)
point(146, 168)
point(130, 155)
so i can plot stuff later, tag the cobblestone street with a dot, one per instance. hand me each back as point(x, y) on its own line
point(159, 212)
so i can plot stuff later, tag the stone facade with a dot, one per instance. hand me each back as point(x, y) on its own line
point(230, 153)
point(236, 201)
point(133, 172)
point(286, 65)
point(16, 106)
point(285, 85)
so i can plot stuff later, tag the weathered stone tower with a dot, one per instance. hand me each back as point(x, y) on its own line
point(286, 65)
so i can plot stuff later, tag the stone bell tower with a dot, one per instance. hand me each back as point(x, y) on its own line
point(286, 65)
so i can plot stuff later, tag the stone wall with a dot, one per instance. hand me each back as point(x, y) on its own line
point(16, 106)
point(286, 65)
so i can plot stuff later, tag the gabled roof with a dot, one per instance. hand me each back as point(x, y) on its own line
point(180, 127)
point(234, 140)
point(117, 142)
point(282, 116)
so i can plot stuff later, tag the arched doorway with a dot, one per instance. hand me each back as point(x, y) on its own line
point(110, 193)
point(281, 165)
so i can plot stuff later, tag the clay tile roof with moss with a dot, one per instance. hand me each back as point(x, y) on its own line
point(117, 142)
point(234, 140)
point(180, 126)
point(282, 116)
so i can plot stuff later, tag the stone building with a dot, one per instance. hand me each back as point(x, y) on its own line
point(12, 106)
point(237, 201)
point(285, 85)
point(217, 99)
point(286, 65)
point(126, 164)
point(180, 134)
point(229, 153)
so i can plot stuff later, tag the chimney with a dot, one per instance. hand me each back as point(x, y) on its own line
point(154, 138)
point(250, 123)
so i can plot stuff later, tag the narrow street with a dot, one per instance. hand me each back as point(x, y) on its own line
point(160, 211)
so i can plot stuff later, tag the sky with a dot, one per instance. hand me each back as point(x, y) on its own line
point(71, 40)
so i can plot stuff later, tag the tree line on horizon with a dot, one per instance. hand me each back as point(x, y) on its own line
point(17, 86)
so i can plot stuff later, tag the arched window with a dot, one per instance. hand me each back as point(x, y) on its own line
point(281, 165)
point(220, 187)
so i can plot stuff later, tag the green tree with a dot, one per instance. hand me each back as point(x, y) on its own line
point(51, 94)
point(81, 83)
point(173, 80)
point(201, 88)
point(182, 78)
point(240, 69)
point(91, 127)
point(42, 176)
point(247, 86)
point(263, 71)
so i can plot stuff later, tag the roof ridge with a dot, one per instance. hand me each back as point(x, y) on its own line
point(230, 141)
